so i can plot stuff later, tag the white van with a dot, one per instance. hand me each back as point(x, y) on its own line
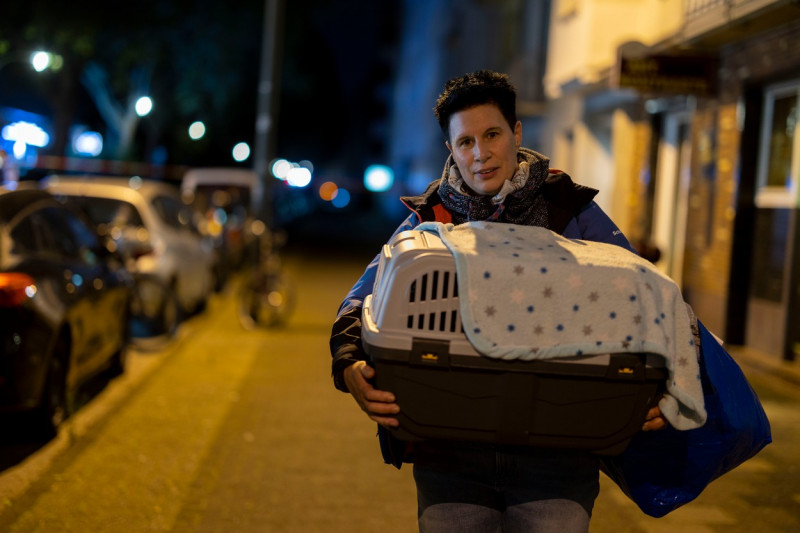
point(225, 200)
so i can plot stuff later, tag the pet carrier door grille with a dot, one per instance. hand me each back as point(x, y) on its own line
point(432, 303)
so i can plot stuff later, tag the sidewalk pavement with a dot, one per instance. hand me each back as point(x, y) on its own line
point(757, 361)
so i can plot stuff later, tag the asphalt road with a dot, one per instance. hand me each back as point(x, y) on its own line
point(234, 430)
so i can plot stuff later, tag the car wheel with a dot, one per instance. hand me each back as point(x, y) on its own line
point(155, 311)
point(120, 357)
point(54, 408)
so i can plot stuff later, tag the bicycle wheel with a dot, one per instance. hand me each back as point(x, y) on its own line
point(266, 301)
point(155, 311)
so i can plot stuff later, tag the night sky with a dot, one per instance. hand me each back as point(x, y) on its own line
point(202, 58)
point(336, 80)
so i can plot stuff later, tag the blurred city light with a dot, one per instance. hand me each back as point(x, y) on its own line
point(241, 151)
point(280, 168)
point(257, 227)
point(299, 177)
point(88, 143)
point(341, 199)
point(378, 178)
point(305, 163)
point(24, 134)
point(143, 106)
point(196, 130)
point(40, 61)
point(417, 181)
point(294, 174)
point(19, 149)
point(328, 191)
point(135, 182)
point(220, 216)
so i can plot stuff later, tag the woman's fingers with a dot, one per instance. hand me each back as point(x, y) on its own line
point(379, 405)
point(654, 420)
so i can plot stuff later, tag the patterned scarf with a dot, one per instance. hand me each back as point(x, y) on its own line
point(518, 201)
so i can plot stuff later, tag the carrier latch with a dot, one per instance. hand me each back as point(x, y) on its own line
point(429, 352)
point(626, 367)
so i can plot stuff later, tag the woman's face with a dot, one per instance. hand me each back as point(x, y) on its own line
point(484, 147)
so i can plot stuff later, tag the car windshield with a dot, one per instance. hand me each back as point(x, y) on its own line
point(107, 211)
point(57, 231)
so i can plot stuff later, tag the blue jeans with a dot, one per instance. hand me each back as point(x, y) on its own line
point(481, 488)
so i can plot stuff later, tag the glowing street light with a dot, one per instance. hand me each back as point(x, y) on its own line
point(40, 61)
point(378, 178)
point(197, 130)
point(298, 177)
point(88, 143)
point(241, 151)
point(280, 168)
point(143, 106)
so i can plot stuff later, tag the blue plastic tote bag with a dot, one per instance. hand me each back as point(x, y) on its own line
point(663, 470)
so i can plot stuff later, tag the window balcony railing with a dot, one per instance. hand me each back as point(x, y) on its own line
point(703, 16)
point(696, 8)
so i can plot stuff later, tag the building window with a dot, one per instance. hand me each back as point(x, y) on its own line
point(779, 152)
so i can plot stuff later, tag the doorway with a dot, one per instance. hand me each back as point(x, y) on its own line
point(773, 250)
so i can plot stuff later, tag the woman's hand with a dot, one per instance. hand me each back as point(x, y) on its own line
point(379, 405)
point(654, 420)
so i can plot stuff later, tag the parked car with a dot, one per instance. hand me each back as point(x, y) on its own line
point(64, 299)
point(151, 224)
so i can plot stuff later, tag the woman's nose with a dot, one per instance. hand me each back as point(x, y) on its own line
point(480, 151)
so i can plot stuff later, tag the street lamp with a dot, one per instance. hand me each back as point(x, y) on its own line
point(241, 151)
point(22, 133)
point(39, 60)
point(197, 130)
point(143, 106)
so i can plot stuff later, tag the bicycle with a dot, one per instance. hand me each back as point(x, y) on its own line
point(266, 297)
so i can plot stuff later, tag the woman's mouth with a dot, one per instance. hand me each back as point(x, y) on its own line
point(486, 173)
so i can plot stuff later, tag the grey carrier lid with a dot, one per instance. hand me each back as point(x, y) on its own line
point(415, 303)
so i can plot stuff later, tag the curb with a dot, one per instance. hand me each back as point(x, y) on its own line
point(16, 480)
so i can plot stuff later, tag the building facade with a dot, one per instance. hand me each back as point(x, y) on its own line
point(683, 112)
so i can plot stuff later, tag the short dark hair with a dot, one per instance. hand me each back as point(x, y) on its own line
point(474, 89)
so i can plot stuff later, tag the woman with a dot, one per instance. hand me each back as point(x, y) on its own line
point(488, 176)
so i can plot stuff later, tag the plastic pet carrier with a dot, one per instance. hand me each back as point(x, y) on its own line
point(446, 390)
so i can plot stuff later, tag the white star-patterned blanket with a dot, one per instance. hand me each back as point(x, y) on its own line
point(533, 294)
